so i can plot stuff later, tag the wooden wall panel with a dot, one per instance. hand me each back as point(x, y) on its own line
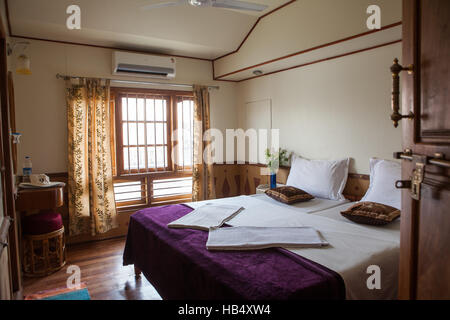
point(356, 186)
point(230, 180)
point(227, 180)
point(251, 178)
point(252, 175)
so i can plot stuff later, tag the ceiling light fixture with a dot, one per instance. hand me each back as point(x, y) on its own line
point(223, 4)
point(257, 72)
point(195, 3)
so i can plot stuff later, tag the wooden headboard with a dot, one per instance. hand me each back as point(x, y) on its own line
point(239, 179)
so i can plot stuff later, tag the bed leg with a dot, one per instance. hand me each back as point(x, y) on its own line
point(137, 272)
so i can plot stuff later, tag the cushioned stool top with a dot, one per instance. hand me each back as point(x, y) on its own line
point(43, 222)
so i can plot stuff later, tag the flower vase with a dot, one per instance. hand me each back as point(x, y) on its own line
point(273, 180)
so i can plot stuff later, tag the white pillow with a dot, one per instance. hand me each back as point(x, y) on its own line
point(320, 178)
point(383, 174)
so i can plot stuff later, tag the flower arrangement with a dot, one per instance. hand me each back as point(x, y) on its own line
point(276, 158)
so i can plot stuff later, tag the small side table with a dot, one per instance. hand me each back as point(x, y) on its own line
point(263, 187)
point(39, 198)
point(42, 251)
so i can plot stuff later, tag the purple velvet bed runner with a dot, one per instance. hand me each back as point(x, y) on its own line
point(178, 264)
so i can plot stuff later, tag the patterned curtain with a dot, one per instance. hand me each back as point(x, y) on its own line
point(202, 173)
point(92, 207)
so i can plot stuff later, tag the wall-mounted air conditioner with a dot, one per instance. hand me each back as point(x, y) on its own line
point(143, 65)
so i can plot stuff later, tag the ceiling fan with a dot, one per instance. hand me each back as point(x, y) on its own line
point(225, 4)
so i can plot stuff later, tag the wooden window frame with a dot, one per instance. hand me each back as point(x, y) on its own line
point(147, 175)
point(175, 111)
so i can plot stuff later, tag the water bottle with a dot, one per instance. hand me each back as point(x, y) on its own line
point(27, 169)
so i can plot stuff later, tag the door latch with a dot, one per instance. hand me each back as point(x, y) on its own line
point(415, 182)
point(417, 179)
point(417, 174)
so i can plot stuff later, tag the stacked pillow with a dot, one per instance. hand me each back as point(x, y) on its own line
point(382, 202)
point(383, 175)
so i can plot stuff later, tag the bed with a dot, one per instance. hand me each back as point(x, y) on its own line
point(178, 264)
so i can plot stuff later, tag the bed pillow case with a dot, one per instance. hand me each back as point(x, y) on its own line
point(289, 195)
point(383, 175)
point(321, 178)
point(371, 213)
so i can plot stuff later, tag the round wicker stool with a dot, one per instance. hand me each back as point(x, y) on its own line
point(43, 246)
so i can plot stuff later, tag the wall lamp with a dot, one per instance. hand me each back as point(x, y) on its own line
point(23, 61)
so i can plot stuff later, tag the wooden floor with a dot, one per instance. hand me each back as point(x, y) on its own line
point(102, 271)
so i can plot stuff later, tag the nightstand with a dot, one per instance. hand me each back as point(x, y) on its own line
point(43, 245)
point(263, 187)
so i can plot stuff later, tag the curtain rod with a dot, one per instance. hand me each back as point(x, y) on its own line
point(61, 76)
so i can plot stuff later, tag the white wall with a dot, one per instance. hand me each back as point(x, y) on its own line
point(339, 108)
point(334, 109)
point(40, 101)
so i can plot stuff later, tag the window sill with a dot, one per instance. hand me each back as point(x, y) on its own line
point(135, 208)
point(174, 174)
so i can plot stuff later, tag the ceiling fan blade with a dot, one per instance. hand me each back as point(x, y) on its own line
point(240, 5)
point(164, 4)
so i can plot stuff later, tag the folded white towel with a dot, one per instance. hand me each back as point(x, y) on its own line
point(206, 217)
point(249, 238)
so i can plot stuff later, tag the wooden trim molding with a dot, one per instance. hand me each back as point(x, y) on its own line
point(261, 165)
point(8, 19)
point(2, 29)
point(322, 60)
point(108, 47)
point(359, 176)
point(312, 49)
point(253, 27)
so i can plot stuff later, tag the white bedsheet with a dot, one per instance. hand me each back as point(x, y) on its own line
point(314, 205)
point(352, 247)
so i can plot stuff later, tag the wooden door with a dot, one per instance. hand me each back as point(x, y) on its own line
point(425, 223)
point(6, 168)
